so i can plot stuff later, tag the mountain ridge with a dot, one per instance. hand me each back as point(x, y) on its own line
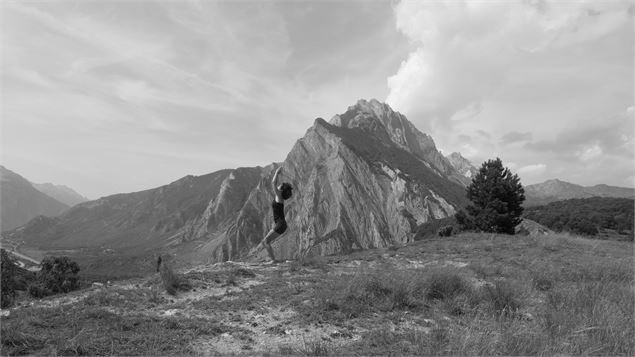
point(62, 193)
point(355, 187)
point(22, 202)
point(557, 190)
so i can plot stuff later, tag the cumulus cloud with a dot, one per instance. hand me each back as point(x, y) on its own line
point(590, 152)
point(550, 74)
point(466, 48)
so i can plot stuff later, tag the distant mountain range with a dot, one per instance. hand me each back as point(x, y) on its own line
point(556, 190)
point(61, 193)
point(550, 190)
point(365, 179)
point(21, 202)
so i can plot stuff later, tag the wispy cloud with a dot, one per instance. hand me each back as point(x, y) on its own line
point(156, 90)
point(514, 137)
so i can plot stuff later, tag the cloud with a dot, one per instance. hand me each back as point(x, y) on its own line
point(157, 90)
point(532, 169)
point(467, 48)
point(612, 136)
point(590, 152)
point(551, 76)
point(514, 137)
point(531, 173)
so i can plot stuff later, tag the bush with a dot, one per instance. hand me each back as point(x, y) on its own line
point(583, 227)
point(13, 278)
point(503, 297)
point(37, 290)
point(7, 287)
point(446, 231)
point(58, 275)
point(443, 285)
point(431, 228)
point(174, 283)
point(497, 196)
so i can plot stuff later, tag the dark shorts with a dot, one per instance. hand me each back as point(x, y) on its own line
point(280, 226)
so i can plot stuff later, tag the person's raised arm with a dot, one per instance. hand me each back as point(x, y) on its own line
point(274, 181)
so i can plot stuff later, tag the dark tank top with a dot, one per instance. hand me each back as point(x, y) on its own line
point(278, 210)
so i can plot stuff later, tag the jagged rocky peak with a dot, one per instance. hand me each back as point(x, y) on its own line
point(361, 110)
point(391, 127)
point(462, 165)
point(381, 120)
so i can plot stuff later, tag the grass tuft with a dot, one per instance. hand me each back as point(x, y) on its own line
point(445, 284)
point(503, 297)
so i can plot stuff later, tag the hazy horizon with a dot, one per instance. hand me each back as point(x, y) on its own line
point(109, 97)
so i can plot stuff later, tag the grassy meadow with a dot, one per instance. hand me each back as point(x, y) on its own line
point(471, 294)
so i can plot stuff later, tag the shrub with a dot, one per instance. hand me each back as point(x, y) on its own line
point(173, 282)
point(446, 231)
point(583, 227)
point(503, 297)
point(13, 278)
point(444, 284)
point(58, 275)
point(497, 196)
point(37, 290)
point(7, 286)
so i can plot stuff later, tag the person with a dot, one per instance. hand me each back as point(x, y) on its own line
point(283, 192)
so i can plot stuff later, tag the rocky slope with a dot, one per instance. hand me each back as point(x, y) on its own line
point(61, 193)
point(21, 202)
point(556, 190)
point(364, 180)
point(462, 165)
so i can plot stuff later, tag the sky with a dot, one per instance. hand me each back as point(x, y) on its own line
point(120, 96)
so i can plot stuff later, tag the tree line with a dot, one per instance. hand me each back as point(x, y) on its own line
point(586, 216)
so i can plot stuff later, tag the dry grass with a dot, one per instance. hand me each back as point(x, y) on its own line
point(531, 295)
point(82, 330)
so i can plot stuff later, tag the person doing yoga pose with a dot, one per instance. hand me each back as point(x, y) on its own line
point(282, 192)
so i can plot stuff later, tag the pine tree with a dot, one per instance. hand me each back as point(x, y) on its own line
point(497, 196)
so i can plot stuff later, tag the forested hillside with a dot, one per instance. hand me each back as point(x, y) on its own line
point(588, 216)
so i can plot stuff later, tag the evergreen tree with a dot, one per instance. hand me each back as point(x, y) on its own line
point(497, 196)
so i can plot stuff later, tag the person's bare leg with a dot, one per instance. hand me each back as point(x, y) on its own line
point(265, 242)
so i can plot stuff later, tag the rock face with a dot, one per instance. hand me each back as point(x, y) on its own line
point(21, 202)
point(364, 180)
point(381, 122)
point(462, 165)
point(556, 190)
point(62, 193)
